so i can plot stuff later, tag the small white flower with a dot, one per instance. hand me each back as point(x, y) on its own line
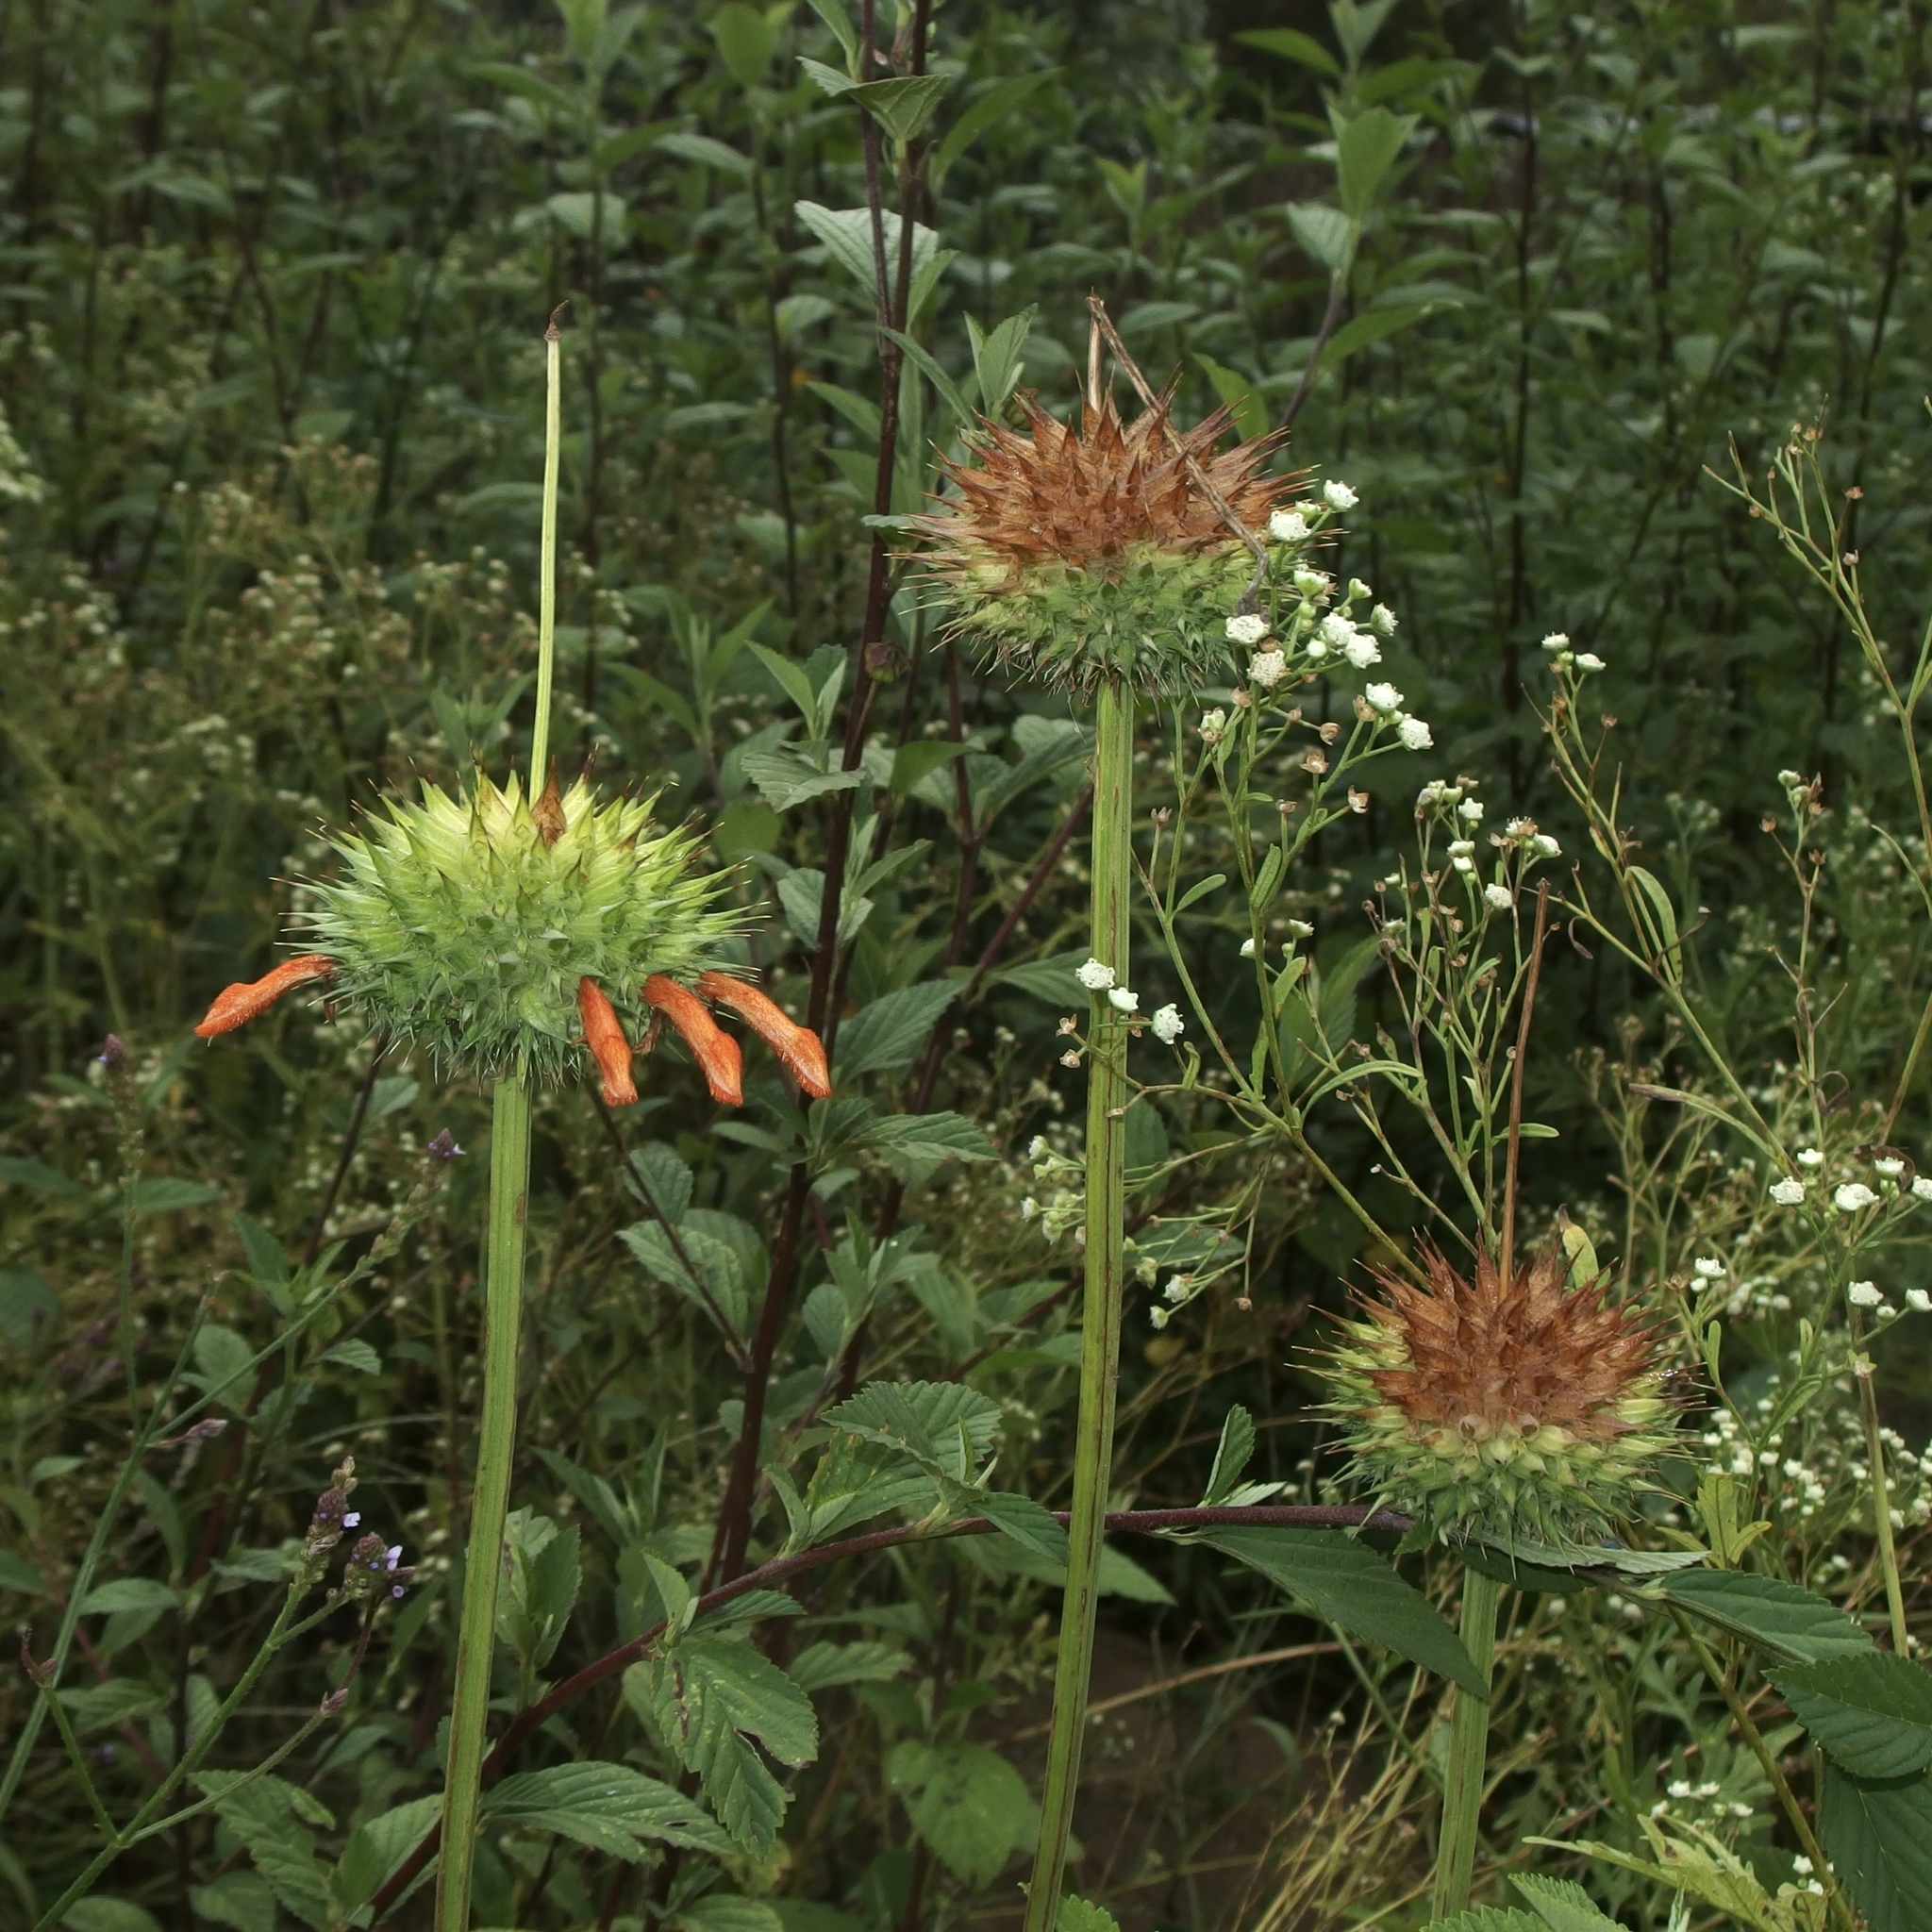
point(1157, 1315)
point(1248, 628)
point(1810, 1156)
point(1358, 591)
point(1789, 778)
point(1313, 584)
point(1788, 1193)
point(1168, 1023)
point(1036, 1148)
point(1520, 829)
point(1851, 1196)
point(1922, 1188)
point(1247, 949)
point(1094, 976)
point(1556, 640)
point(1414, 733)
point(1546, 847)
point(1300, 929)
point(1501, 897)
point(1316, 649)
point(1335, 629)
point(1460, 847)
point(1122, 1000)
point(1288, 527)
point(1919, 1301)
point(1176, 1289)
point(1680, 1789)
point(1471, 809)
point(1802, 1866)
point(1463, 865)
point(1890, 1168)
point(1384, 619)
point(1265, 668)
point(1029, 1208)
point(1339, 495)
point(1213, 726)
point(1383, 697)
point(1361, 650)
point(1863, 1294)
point(1588, 661)
point(1708, 1268)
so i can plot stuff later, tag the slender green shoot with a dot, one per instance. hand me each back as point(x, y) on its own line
point(1469, 1743)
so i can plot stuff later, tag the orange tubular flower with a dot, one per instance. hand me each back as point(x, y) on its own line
point(239, 1003)
point(604, 1035)
point(715, 1052)
point(798, 1047)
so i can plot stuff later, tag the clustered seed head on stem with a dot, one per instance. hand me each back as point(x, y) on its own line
point(1493, 1408)
point(1073, 558)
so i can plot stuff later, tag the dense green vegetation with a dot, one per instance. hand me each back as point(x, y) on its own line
point(274, 281)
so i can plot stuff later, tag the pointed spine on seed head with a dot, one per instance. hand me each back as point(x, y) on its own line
point(235, 1006)
point(716, 1053)
point(547, 813)
point(604, 1035)
point(798, 1048)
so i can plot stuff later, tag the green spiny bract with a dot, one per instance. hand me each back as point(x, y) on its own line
point(460, 927)
point(1530, 1409)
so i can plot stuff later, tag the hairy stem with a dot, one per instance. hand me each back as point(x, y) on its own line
point(503, 1287)
point(1468, 1740)
point(1100, 1329)
point(1881, 1498)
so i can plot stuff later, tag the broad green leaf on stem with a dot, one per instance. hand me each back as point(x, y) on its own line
point(847, 235)
point(376, 1847)
point(834, 15)
point(1365, 149)
point(709, 1699)
point(1791, 1622)
point(788, 776)
point(1360, 332)
point(968, 1803)
point(1700, 1865)
point(1660, 920)
point(1078, 1914)
point(161, 1194)
point(914, 762)
point(1345, 1582)
point(1871, 1713)
point(892, 1030)
point(1324, 233)
point(996, 364)
point(128, 1593)
point(1238, 392)
point(1230, 1457)
point(727, 1912)
point(823, 1666)
point(703, 151)
point(903, 105)
point(944, 1424)
point(1050, 978)
point(1488, 1919)
point(103, 1707)
point(714, 1264)
point(854, 1481)
point(1879, 1835)
point(1562, 1905)
point(607, 1807)
point(99, 1914)
point(913, 1145)
point(746, 42)
point(240, 1899)
point(969, 125)
point(18, 1171)
point(272, 1819)
point(1290, 45)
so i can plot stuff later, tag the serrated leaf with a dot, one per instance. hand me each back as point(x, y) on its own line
point(922, 1420)
point(1345, 1582)
point(16, 1171)
point(823, 1666)
point(1871, 1713)
point(163, 1196)
point(969, 1805)
point(266, 1814)
point(240, 1899)
point(355, 1354)
point(709, 1699)
point(1562, 1905)
point(1488, 1919)
point(607, 1807)
point(102, 1707)
point(98, 1914)
point(891, 1030)
point(127, 1593)
point(912, 1145)
point(1230, 1457)
point(727, 1912)
point(1879, 1837)
point(1789, 1622)
point(376, 1847)
point(1078, 1914)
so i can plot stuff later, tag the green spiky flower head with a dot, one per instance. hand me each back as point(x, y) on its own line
point(466, 923)
point(1528, 1409)
point(1072, 558)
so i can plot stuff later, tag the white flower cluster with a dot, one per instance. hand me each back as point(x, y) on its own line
point(1098, 976)
point(1563, 658)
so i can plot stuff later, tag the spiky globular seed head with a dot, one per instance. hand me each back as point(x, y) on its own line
point(467, 924)
point(1072, 558)
point(1525, 1408)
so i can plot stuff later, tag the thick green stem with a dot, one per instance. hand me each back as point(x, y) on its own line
point(1468, 1740)
point(546, 566)
point(503, 1285)
point(1881, 1497)
point(1100, 1330)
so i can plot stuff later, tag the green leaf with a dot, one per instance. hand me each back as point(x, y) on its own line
point(709, 1698)
point(355, 1354)
point(1562, 1905)
point(1231, 1457)
point(1365, 150)
point(240, 1899)
point(17, 1573)
point(1879, 1837)
point(990, 108)
point(715, 1262)
point(1118, 1574)
point(942, 1424)
point(267, 1814)
point(128, 1593)
point(727, 1912)
point(19, 1173)
point(1291, 45)
point(1359, 331)
point(1238, 392)
point(903, 105)
point(377, 1846)
point(848, 238)
point(1488, 1919)
point(27, 1305)
point(99, 1914)
point(160, 1195)
point(834, 15)
point(1028, 1524)
point(266, 1260)
point(1078, 1914)
point(914, 762)
point(891, 1030)
point(746, 41)
point(1197, 892)
point(1325, 233)
point(913, 1145)
point(1050, 978)
point(787, 778)
point(224, 1362)
point(607, 1807)
point(1871, 1713)
point(703, 151)
point(821, 1666)
point(105, 1707)
point(996, 364)
point(1660, 924)
point(968, 1803)
point(1789, 1622)
point(1345, 1582)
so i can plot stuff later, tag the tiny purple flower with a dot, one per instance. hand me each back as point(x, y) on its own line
point(352, 1519)
point(113, 1053)
point(444, 1146)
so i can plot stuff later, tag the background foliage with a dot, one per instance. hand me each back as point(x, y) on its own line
point(272, 284)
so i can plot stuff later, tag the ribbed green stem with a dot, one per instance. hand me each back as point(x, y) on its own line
point(546, 564)
point(1100, 1330)
point(1881, 1497)
point(1469, 1741)
point(503, 1287)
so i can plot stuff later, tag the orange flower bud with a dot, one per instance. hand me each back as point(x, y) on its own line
point(237, 1003)
point(715, 1053)
point(604, 1035)
point(798, 1047)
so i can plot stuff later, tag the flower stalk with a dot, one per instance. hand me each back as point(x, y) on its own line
point(1100, 1321)
point(1468, 1744)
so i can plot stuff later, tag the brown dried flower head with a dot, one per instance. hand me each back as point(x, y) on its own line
point(1527, 1407)
point(1077, 556)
